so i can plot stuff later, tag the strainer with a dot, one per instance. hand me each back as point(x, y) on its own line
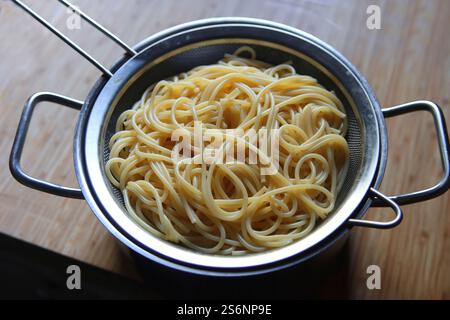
point(184, 47)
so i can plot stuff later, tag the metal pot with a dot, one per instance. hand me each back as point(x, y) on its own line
point(202, 42)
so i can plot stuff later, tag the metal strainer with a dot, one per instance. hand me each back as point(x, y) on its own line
point(203, 42)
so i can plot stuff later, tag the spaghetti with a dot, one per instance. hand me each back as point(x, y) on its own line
point(231, 208)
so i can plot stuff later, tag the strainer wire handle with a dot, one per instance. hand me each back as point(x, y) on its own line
point(19, 141)
point(384, 201)
point(444, 184)
point(72, 44)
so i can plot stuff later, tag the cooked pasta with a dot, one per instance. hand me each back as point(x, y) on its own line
point(231, 207)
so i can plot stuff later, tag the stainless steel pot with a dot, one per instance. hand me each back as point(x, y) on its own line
point(203, 42)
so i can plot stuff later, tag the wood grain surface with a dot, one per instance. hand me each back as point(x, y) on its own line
point(407, 59)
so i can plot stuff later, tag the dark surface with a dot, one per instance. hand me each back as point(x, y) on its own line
point(31, 272)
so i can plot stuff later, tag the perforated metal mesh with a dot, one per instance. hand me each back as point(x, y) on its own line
point(212, 53)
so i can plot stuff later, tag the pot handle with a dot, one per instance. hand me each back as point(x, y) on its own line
point(439, 121)
point(17, 148)
point(380, 200)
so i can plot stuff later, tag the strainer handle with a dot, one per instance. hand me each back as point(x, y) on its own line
point(439, 121)
point(73, 45)
point(384, 202)
point(19, 141)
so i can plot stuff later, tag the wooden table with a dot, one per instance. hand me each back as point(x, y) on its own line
point(407, 59)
